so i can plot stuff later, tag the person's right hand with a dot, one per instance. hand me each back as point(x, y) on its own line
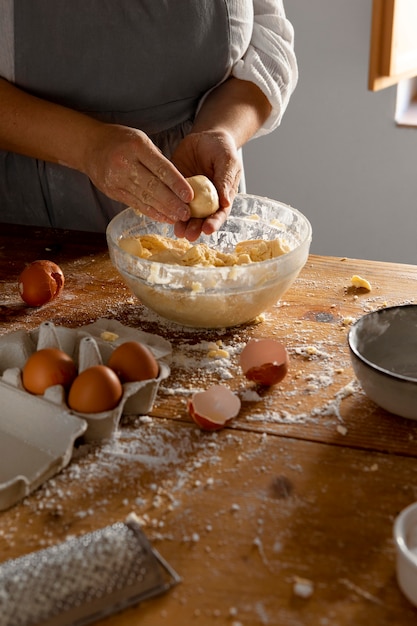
point(126, 166)
point(121, 162)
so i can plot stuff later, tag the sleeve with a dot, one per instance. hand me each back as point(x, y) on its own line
point(270, 60)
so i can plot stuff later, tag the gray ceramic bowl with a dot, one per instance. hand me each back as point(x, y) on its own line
point(213, 297)
point(383, 349)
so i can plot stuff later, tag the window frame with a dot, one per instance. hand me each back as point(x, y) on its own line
point(393, 57)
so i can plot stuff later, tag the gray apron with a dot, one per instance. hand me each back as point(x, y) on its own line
point(143, 63)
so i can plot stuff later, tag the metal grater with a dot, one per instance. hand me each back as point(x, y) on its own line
point(83, 579)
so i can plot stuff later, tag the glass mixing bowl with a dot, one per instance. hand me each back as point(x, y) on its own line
point(215, 297)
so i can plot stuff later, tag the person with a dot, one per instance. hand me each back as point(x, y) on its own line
point(109, 104)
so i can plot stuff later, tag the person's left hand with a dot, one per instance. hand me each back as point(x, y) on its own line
point(214, 154)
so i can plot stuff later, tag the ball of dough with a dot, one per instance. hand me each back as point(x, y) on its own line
point(206, 200)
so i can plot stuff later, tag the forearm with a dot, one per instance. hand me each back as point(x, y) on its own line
point(120, 161)
point(43, 130)
point(237, 107)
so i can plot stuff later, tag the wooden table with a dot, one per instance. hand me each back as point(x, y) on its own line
point(298, 494)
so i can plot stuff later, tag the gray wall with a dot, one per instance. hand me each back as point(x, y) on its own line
point(338, 156)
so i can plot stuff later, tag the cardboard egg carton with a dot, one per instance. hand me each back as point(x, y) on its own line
point(37, 433)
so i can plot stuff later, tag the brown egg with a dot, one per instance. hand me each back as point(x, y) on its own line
point(264, 361)
point(40, 282)
point(95, 389)
point(133, 361)
point(48, 367)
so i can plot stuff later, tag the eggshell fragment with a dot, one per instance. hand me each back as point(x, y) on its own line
point(264, 361)
point(40, 282)
point(206, 199)
point(213, 408)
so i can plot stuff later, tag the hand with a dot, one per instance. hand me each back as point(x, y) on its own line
point(214, 154)
point(125, 165)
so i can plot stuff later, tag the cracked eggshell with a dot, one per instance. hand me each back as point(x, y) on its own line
point(264, 361)
point(213, 408)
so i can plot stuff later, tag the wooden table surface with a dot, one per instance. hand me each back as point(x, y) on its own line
point(300, 491)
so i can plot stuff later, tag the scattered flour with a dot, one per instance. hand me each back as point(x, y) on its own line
point(303, 587)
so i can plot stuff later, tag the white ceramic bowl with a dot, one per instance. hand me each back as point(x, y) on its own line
point(405, 538)
point(383, 349)
point(215, 297)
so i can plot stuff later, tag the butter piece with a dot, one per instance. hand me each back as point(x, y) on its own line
point(360, 283)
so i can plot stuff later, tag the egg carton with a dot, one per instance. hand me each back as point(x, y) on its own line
point(37, 433)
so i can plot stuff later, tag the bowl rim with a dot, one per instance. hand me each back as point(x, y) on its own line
point(373, 366)
point(287, 255)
